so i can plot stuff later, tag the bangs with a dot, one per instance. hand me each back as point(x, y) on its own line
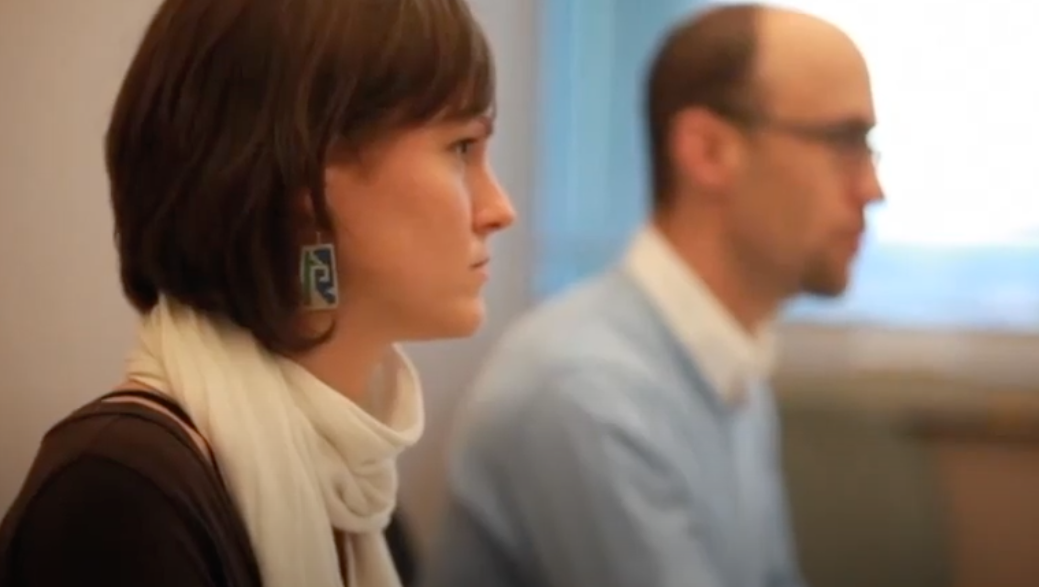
point(436, 64)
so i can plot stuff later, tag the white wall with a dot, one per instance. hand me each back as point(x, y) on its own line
point(63, 324)
point(64, 327)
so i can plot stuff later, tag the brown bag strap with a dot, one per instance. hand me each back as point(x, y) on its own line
point(170, 408)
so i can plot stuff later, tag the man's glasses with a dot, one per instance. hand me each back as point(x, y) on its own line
point(848, 140)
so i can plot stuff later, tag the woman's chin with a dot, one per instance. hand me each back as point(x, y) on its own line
point(460, 320)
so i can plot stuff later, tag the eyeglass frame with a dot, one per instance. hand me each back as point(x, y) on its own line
point(848, 140)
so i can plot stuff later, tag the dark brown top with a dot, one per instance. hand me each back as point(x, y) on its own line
point(119, 495)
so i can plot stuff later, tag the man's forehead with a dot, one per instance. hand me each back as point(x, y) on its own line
point(808, 67)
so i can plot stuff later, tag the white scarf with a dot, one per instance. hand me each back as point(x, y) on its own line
point(298, 457)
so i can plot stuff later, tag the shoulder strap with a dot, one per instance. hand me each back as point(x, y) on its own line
point(172, 408)
point(158, 398)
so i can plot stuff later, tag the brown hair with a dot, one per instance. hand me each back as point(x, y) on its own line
point(707, 62)
point(226, 117)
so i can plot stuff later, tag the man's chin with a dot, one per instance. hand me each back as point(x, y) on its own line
point(827, 286)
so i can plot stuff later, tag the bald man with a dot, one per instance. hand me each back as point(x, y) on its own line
point(624, 435)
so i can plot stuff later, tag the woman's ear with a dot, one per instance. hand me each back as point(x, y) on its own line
point(312, 207)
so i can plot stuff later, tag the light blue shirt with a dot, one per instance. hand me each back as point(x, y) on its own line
point(595, 451)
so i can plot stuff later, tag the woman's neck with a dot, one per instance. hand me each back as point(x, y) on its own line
point(345, 366)
point(347, 361)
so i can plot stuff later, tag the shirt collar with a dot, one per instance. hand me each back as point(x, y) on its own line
point(730, 358)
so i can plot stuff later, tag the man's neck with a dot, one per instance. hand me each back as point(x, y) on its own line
point(750, 302)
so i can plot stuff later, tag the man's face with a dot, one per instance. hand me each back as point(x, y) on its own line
point(807, 171)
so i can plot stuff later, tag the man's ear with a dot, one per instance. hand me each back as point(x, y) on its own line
point(704, 148)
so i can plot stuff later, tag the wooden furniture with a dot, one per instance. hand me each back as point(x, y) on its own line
point(987, 462)
point(944, 475)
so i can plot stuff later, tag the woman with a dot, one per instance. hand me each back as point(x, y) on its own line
point(297, 186)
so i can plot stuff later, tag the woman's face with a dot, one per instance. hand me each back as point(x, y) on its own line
point(413, 217)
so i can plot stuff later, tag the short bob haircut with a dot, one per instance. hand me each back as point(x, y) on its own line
point(227, 115)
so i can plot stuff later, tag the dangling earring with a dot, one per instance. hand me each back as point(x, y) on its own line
point(318, 277)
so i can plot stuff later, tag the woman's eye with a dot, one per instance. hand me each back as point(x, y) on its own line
point(464, 147)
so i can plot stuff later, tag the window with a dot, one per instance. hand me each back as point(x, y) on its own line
point(957, 243)
point(592, 187)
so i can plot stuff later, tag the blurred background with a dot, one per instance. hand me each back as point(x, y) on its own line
point(911, 406)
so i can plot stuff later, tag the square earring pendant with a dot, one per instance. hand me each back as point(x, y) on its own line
point(318, 277)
